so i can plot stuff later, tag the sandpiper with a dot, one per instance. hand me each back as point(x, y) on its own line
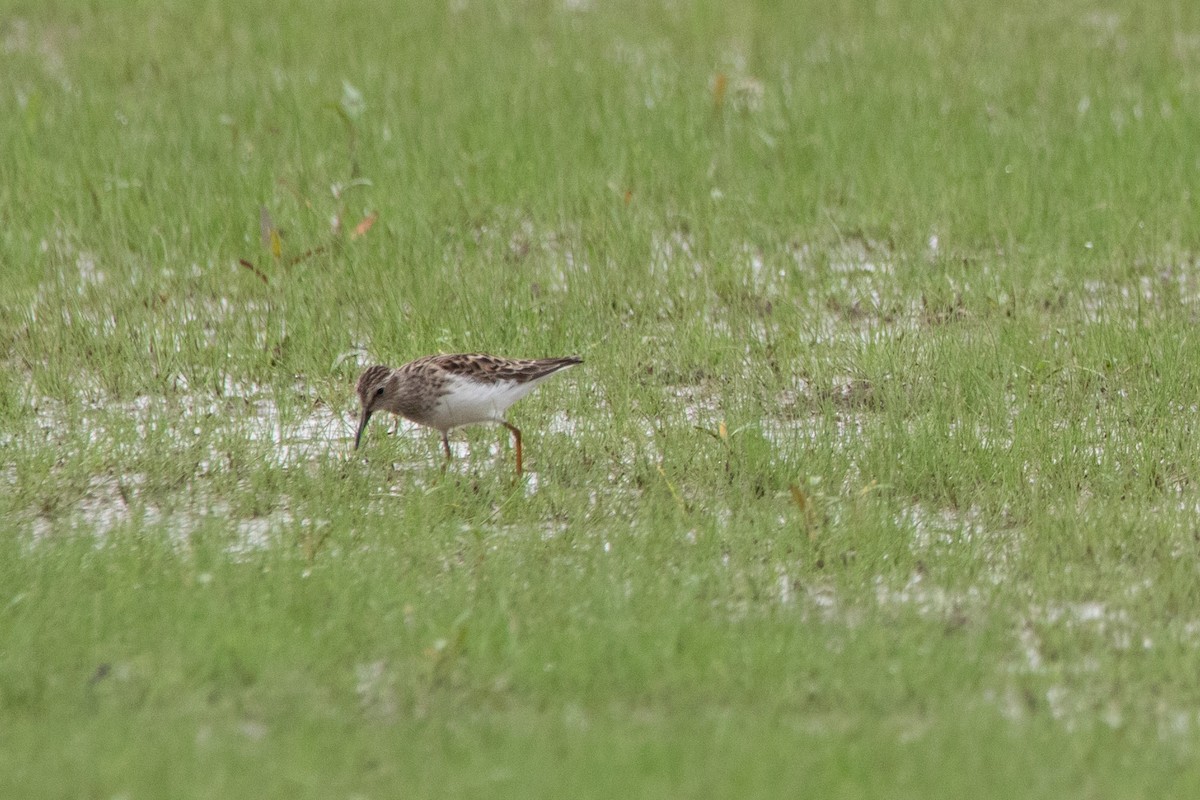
point(449, 391)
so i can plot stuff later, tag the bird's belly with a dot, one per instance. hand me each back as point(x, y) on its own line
point(468, 402)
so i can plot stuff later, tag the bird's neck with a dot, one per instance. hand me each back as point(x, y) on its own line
point(405, 398)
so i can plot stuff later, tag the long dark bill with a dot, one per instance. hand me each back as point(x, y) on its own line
point(362, 426)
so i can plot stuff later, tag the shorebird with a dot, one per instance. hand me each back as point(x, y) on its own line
point(446, 392)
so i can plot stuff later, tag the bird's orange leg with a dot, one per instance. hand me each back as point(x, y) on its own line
point(516, 432)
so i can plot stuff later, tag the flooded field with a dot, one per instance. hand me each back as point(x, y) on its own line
point(878, 477)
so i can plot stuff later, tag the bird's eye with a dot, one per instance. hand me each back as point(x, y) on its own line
point(379, 391)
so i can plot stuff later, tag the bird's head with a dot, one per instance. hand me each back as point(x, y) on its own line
point(373, 393)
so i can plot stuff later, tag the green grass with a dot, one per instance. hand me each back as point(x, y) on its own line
point(879, 478)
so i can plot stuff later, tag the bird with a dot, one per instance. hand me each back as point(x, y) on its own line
point(448, 391)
